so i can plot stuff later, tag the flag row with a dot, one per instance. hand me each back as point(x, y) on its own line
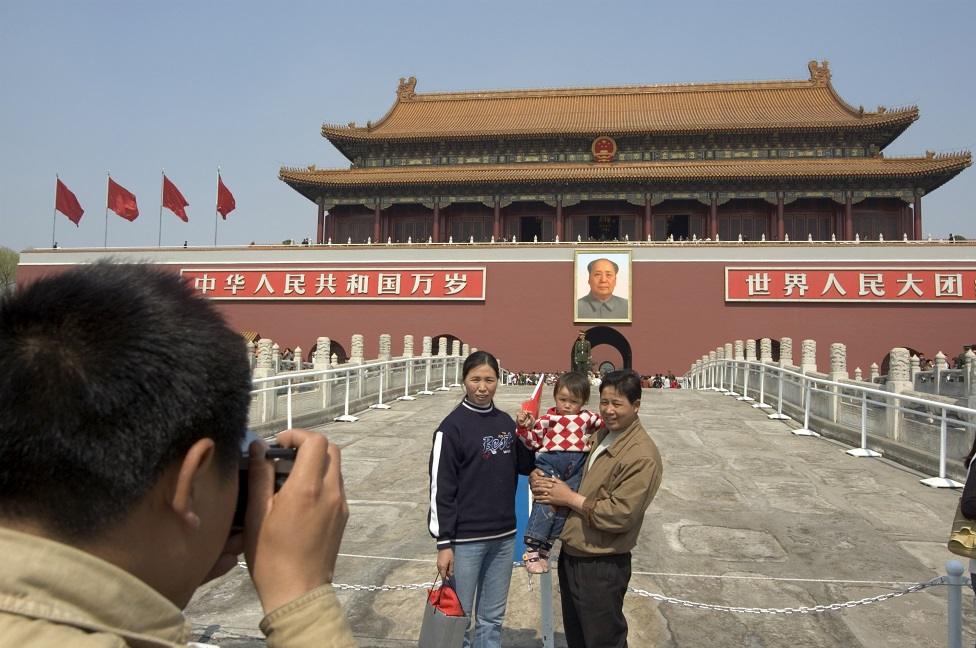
point(123, 202)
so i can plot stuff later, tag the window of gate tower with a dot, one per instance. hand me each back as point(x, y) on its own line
point(604, 228)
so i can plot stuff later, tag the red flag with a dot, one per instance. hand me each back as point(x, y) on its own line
point(66, 203)
point(532, 405)
point(225, 199)
point(122, 201)
point(173, 200)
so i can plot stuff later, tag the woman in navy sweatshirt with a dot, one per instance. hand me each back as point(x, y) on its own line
point(474, 466)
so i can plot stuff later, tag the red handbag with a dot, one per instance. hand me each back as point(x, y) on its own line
point(445, 599)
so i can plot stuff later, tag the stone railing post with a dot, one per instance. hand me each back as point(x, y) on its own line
point(427, 347)
point(786, 352)
point(838, 372)
point(320, 362)
point(250, 354)
point(916, 364)
point(356, 355)
point(465, 350)
point(858, 376)
point(899, 380)
point(442, 347)
point(874, 375)
point(808, 357)
point(265, 368)
point(407, 346)
point(751, 350)
point(456, 348)
point(276, 357)
point(970, 375)
point(385, 347)
point(765, 350)
point(320, 357)
point(297, 359)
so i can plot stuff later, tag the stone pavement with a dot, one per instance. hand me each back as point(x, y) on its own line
point(748, 515)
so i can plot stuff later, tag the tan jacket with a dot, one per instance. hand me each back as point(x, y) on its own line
point(53, 595)
point(618, 487)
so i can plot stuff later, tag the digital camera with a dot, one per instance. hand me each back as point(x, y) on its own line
point(284, 461)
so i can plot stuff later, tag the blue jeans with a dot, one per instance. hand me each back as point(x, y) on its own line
point(545, 524)
point(482, 572)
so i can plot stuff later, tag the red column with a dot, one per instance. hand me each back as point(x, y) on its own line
point(377, 223)
point(436, 234)
point(496, 227)
point(780, 224)
point(559, 218)
point(648, 230)
point(918, 217)
point(713, 218)
point(320, 223)
point(330, 227)
point(849, 218)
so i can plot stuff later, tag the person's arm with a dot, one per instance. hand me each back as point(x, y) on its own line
point(442, 517)
point(291, 542)
point(968, 498)
point(618, 512)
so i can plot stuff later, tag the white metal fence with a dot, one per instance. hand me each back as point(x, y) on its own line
point(930, 433)
point(312, 397)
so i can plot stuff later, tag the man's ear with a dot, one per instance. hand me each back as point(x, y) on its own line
point(637, 404)
point(195, 462)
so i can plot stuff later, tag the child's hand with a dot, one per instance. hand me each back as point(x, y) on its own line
point(524, 419)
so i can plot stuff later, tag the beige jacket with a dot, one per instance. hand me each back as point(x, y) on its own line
point(618, 487)
point(53, 595)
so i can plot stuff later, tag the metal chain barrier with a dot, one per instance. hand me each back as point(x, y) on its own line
point(831, 607)
point(661, 598)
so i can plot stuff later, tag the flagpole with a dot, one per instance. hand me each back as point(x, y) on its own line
point(54, 226)
point(161, 184)
point(109, 173)
point(216, 205)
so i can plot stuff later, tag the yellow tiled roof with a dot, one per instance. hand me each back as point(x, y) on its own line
point(702, 170)
point(660, 109)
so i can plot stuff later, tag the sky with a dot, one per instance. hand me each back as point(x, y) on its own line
point(135, 88)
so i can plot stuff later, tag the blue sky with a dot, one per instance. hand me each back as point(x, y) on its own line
point(185, 86)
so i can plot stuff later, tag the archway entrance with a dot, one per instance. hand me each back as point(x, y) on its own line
point(619, 354)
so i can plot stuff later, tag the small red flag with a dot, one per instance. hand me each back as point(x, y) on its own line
point(225, 199)
point(173, 200)
point(532, 405)
point(122, 201)
point(66, 203)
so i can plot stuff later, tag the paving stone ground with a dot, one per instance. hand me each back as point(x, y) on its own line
point(748, 515)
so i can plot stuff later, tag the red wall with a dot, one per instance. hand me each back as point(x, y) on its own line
point(679, 313)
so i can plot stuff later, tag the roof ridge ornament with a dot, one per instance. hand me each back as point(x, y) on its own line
point(406, 89)
point(819, 72)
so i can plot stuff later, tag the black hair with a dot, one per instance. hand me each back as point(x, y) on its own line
point(589, 266)
point(477, 359)
point(972, 453)
point(108, 374)
point(624, 381)
point(575, 383)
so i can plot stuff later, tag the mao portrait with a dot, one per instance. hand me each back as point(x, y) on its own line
point(602, 286)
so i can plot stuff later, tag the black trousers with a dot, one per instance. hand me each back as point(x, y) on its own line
point(592, 591)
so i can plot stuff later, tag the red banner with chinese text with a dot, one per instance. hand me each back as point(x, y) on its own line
point(462, 284)
point(851, 284)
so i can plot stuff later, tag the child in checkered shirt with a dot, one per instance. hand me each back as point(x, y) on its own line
point(561, 440)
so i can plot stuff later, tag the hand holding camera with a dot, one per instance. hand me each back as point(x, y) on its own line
point(292, 535)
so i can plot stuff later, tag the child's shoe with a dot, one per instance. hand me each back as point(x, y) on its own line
point(534, 563)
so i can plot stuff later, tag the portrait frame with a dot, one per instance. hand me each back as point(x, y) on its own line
point(585, 308)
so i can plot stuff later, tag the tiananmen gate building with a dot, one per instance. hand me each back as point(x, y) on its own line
point(719, 211)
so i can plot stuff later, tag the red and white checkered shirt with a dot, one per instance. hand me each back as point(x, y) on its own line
point(555, 432)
